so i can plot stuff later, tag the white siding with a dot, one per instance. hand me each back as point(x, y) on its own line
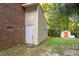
point(32, 19)
point(42, 27)
point(34, 16)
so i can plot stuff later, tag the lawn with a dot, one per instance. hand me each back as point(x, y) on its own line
point(60, 41)
point(49, 47)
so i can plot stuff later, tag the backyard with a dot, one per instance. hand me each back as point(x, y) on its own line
point(59, 18)
point(53, 46)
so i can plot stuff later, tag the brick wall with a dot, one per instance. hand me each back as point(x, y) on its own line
point(11, 25)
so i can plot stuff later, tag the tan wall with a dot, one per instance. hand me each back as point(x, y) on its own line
point(34, 15)
point(31, 18)
point(42, 27)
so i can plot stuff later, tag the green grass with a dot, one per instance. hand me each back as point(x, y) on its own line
point(17, 50)
point(60, 41)
point(58, 45)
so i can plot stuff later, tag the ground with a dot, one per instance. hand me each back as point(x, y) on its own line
point(49, 47)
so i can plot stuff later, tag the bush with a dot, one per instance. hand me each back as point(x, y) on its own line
point(54, 33)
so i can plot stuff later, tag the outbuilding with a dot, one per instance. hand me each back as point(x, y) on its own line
point(21, 23)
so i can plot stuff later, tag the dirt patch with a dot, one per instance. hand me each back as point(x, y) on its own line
point(71, 53)
point(42, 50)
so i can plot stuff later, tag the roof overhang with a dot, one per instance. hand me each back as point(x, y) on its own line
point(29, 4)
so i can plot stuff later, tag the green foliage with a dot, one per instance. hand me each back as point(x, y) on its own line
point(54, 16)
point(60, 17)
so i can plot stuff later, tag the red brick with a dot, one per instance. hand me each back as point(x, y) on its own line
point(11, 15)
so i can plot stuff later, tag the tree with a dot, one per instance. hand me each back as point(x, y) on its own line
point(58, 16)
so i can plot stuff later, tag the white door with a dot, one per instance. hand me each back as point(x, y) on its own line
point(29, 34)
